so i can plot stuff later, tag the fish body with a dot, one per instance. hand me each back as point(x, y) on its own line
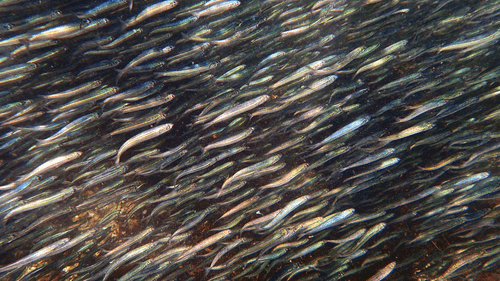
point(150, 11)
point(142, 137)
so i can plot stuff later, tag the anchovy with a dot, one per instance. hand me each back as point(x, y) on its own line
point(150, 11)
point(51, 164)
point(216, 8)
point(409, 132)
point(63, 194)
point(383, 273)
point(238, 109)
point(130, 255)
point(205, 243)
point(40, 254)
point(286, 210)
point(131, 241)
point(142, 137)
point(145, 56)
point(286, 178)
point(229, 141)
point(344, 130)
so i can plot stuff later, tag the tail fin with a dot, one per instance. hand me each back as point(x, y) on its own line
point(123, 25)
point(121, 72)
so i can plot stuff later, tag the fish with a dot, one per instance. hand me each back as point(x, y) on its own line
point(150, 11)
point(344, 130)
point(384, 272)
point(229, 141)
point(215, 8)
point(238, 109)
point(141, 58)
point(141, 137)
point(63, 194)
point(352, 137)
point(51, 164)
point(42, 253)
point(205, 243)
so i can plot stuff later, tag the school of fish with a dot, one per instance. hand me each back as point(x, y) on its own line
point(249, 140)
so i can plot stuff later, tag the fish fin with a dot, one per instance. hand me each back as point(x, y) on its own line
point(123, 25)
point(14, 128)
point(191, 125)
point(121, 72)
point(26, 43)
point(185, 36)
point(205, 126)
point(420, 168)
point(313, 70)
point(206, 272)
point(106, 136)
point(38, 141)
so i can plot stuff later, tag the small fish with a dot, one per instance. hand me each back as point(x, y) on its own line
point(107, 6)
point(409, 132)
point(286, 178)
point(344, 130)
point(63, 194)
point(45, 252)
point(238, 109)
point(328, 221)
point(375, 64)
point(216, 8)
point(205, 243)
point(142, 137)
point(150, 11)
point(75, 91)
point(143, 57)
point(471, 44)
point(145, 249)
point(229, 140)
point(50, 165)
point(290, 207)
point(383, 273)
point(72, 126)
point(148, 231)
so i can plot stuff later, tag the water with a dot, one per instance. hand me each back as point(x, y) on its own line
point(451, 47)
